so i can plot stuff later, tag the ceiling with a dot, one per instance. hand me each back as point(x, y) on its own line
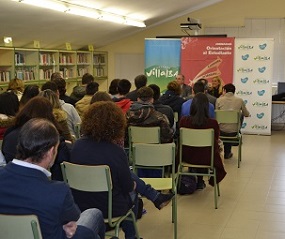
point(25, 23)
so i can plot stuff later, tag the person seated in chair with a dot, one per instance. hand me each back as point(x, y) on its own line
point(25, 187)
point(228, 101)
point(199, 119)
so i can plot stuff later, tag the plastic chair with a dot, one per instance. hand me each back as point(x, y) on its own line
point(231, 117)
point(158, 156)
point(198, 138)
point(20, 226)
point(140, 134)
point(96, 179)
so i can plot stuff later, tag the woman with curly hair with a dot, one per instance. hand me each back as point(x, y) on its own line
point(103, 127)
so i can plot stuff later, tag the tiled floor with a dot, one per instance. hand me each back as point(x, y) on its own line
point(251, 205)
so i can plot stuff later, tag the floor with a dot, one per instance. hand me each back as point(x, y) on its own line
point(251, 205)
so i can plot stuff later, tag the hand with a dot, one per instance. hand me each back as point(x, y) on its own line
point(70, 229)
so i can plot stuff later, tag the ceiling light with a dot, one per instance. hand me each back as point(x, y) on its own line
point(85, 11)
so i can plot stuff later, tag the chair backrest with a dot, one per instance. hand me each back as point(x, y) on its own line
point(20, 226)
point(228, 117)
point(197, 138)
point(89, 179)
point(139, 134)
point(153, 154)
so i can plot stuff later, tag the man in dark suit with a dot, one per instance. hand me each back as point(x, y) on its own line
point(25, 188)
point(186, 90)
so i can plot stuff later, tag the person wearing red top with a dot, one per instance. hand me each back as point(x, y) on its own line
point(199, 119)
point(124, 103)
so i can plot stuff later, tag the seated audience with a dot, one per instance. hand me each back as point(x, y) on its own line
point(140, 81)
point(73, 118)
point(80, 90)
point(61, 86)
point(158, 106)
point(199, 119)
point(103, 126)
point(59, 114)
point(172, 97)
point(82, 105)
point(212, 99)
point(38, 107)
point(30, 92)
point(142, 113)
point(121, 100)
point(230, 102)
point(29, 190)
point(9, 106)
point(113, 88)
point(17, 86)
point(198, 87)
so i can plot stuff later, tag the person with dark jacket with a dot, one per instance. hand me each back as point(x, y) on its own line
point(140, 81)
point(172, 97)
point(143, 113)
point(120, 99)
point(80, 90)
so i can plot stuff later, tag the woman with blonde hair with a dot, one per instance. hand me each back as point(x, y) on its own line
point(59, 114)
point(17, 86)
point(216, 88)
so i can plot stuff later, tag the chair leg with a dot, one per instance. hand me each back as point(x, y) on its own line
point(239, 154)
point(215, 190)
point(135, 224)
point(174, 216)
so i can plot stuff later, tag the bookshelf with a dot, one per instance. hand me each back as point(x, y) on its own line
point(35, 66)
point(84, 63)
point(100, 69)
point(48, 63)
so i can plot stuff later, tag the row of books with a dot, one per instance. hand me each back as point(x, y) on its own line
point(82, 58)
point(65, 59)
point(25, 75)
point(45, 74)
point(82, 71)
point(5, 76)
point(99, 59)
point(67, 72)
point(47, 59)
point(99, 71)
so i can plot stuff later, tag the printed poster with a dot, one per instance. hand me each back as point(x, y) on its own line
point(162, 61)
point(203, 57)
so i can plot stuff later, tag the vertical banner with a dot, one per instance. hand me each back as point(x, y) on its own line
point(252, 77)
point(162, 61)
point(207, 58)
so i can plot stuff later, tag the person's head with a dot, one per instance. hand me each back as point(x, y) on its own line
point(9, 103)
point(216, 82)
point(140, 81)
point(16, 85)
point(198, 87)
point(87, 78)
point(50, 85)
point(145, 94)
point(61, 85)
point(52, 97)
point(38, 140)
point(199, 110)
point(104, 121)
point(92, 88)
point(30, 92)
point(229, 88)
point(37, 107)
point(124, 86)
point(174, 86)
point(180, 79)
point(56, 75)
point(205, 82)
point(113, 88)
point(100, 96)
point(156, 91)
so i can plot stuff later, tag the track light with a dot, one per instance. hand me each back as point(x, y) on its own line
point(85, 11)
